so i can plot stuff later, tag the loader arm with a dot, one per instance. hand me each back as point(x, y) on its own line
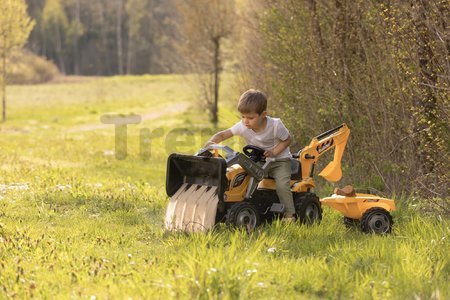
point(336, 139)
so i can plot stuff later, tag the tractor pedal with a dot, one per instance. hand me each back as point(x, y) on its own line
point(277, 208)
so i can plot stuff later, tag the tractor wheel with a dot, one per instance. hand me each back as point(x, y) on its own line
point(349, 222)
point(308, 208)
point(376, 220)
point(243, 215)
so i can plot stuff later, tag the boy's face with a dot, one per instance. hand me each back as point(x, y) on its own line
point(253, 120)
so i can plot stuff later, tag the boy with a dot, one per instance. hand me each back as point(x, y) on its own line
point(268, 133)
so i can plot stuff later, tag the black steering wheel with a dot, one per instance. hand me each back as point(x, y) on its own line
point(254, 153)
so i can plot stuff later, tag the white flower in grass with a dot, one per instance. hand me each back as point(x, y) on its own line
point(62, 187)
point(261, 284)
point(14, 186)
point(129, 255)
point(272, 250)
point(93, 297)
point(108, 152)
point(131, 186)
point(212, 270)
point(250, 272)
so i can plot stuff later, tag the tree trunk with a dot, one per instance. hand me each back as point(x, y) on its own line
point(4, 86)
point(130, 53)
point(59, 46)
point(104, 68)
point(425, 101)
point(119, 37)
point(316, 25)
point(76, 58)
point(340, 53)
point(215, 108)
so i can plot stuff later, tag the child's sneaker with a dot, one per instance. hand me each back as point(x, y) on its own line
point(288, 219)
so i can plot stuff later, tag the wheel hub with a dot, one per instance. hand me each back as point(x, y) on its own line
point(246, 217)
point(379, 223)
point(312, 212)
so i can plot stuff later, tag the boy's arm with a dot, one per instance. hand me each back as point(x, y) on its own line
point(219, 137)
point(279, 148)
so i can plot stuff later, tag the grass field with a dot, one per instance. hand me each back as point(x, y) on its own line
point(75, 222)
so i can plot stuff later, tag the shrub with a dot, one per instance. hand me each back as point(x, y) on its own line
point(25, 67)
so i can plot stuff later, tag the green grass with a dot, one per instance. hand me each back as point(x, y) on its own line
point(77, 223)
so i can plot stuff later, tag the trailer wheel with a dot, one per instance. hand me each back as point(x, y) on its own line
point(376, 220)
point(349, 222)
point(243, 215)
point(308, 208)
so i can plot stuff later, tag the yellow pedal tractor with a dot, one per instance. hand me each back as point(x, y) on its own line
point(207, 188)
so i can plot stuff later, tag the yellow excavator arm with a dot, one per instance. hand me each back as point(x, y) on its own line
point(335, 138)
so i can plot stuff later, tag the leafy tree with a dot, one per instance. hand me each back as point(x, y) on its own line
point(15, 26)
point(103, 37)
point(55, 24)
point(75, 31)
point(136, 10)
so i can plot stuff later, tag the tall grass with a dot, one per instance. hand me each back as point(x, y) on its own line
point(77, 223)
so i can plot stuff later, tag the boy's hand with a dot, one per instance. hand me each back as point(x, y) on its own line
point(208, 143)
point(268, 154)
point(219, 137)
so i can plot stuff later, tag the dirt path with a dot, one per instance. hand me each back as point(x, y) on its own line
point(150, 116)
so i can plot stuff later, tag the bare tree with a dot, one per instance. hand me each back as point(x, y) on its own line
point(119, 13)
point(206, 24)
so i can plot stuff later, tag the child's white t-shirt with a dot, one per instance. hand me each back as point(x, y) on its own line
point(272, 135)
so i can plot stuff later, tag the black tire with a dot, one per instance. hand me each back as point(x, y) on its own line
point(244, 215)
point(308, 208)
point(376, 220)
point(349, 222)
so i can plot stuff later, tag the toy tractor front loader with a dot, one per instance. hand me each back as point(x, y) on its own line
point(198, 184)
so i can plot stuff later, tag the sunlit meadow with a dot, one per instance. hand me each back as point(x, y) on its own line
point(77, 222)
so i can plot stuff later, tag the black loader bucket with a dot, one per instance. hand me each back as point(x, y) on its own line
point(195, 184)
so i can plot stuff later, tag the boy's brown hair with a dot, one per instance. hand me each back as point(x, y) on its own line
point(252, 101)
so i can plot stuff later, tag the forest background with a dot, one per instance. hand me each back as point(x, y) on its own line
point(380, 66)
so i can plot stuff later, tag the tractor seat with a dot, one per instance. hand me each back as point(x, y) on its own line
point(296, 170)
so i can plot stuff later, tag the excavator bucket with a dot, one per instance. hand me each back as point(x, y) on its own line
point(195, 184)
point(339, 136)
point(332, 172)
